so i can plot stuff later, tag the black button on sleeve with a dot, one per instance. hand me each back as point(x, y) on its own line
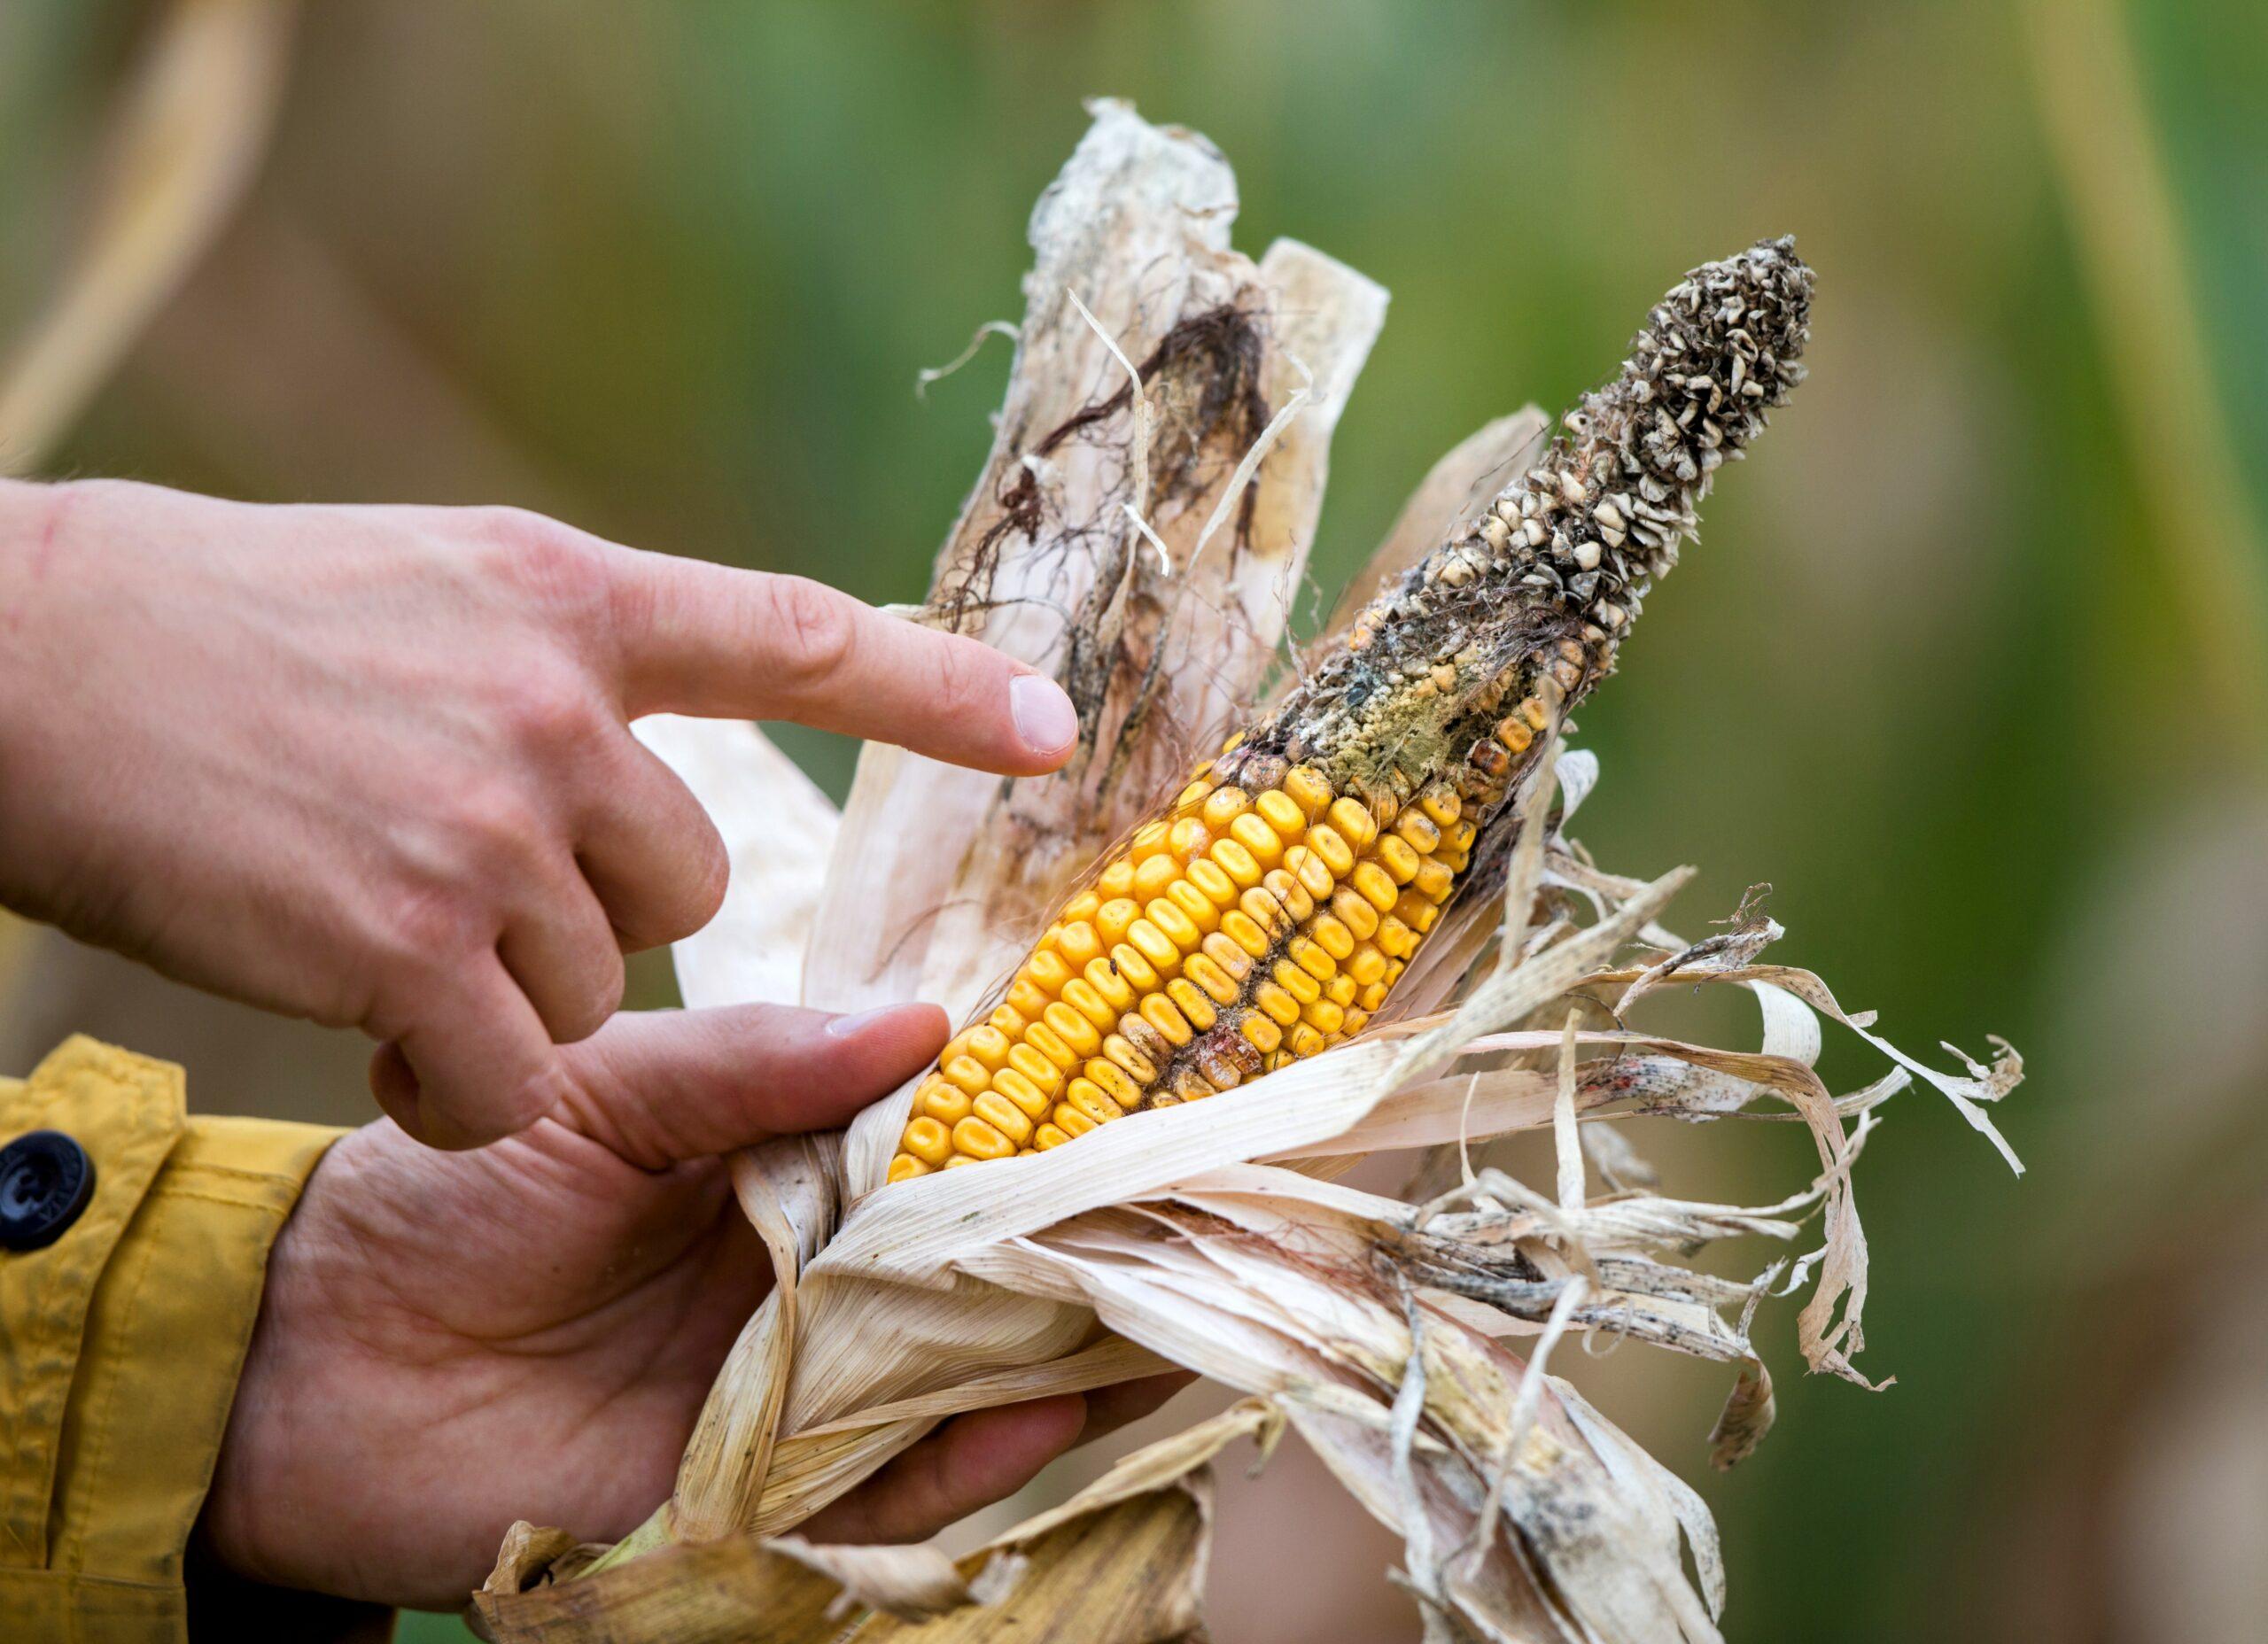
point(45, 1180)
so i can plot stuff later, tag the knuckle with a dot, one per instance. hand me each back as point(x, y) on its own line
point(812, 630)
point(548, 709)
point(559, 567)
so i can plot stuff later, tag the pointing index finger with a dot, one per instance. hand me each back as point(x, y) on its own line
point(711, 640)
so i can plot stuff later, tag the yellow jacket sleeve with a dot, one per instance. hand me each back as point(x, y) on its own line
point(122, 1335)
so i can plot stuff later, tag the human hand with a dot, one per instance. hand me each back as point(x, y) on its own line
point(371, 765)
point(451, 1341)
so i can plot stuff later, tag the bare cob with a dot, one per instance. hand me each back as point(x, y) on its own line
point(1267, 912)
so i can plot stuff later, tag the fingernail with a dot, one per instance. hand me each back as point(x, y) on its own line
point(1044, 716)
point(844, 1027)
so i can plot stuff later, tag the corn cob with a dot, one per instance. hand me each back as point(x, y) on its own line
point(1267, 913)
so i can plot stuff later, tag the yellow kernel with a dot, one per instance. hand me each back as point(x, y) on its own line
point(1375, 887)
point(1165, 1101)
point(1218, 984)
point(1340, 990)
point(1189, 838)
point(969, 1074)
point(1087, 1097)
point(1191, 1086)
point(1534, 712)
point(1198, 908)
point(1217, 886)
point(1356, 1021)
point(1115, 881)
point(1279, 1004)
point(1372, 997)
point(1461, 835)
point(1353, 822)
point(1305, 1041)
point(1105, 979)
point(1120, 1051)
point(1240, 928)
point(1172, 1025)
point(1081, 906)
point(1295, 982)
point(1047, 973)
point(1514, 734)
point(1264, 910)
point(1367, 966)
point(1309, 869)
point(1354, 911)
point(1454, 861)
point(1331, 936)
point(989, 1045)
point(956, 1046)
point(1116, 915)
point(1290, 895)
point(1109, 1077)
point(1223, 806)
point(904, 1167)
point(1263, 1034)
point(1323, 1016)
point(1154, 875)
point(1026, 999)
point(1310, 957)
point(1043, 1073)
point(1004, 1116)
point(1177, 926)
point(1308, 789)
point(1009, 1022)
point(1190, 1001)
point(978, 1140)
point(1416, 912)
point(1022, 1091)
point(1395, 939)
point(1281, 812)
point(1225, 951)
point(1194, 794)
point(1235, 861)
point(1070, 1120)
point(1050, 1043)
point(1155, 946)
point(1047, 1136)
point(1395, 857)
point(1081, 996)
point(1393, 969)
point(1434, 881)
point(1251, 830)
point(1074, 1029)
point(928, 1141)
point(1443, 804)
point(1077, 944)
point(1149, 839)
point(1327, 842)
point(946, 1104)
point(1420, 831)
point(959, 1159)
point(1133, 966)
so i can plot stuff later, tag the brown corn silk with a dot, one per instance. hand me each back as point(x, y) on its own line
point(1268, 912)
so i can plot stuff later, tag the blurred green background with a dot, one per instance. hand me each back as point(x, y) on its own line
point(1967, 664)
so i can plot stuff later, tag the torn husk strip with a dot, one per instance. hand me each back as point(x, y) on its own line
point(1526, 1515)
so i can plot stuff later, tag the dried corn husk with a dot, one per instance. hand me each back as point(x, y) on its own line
point(1213, 1236)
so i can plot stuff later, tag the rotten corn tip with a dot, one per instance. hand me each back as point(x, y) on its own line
point(1267, 913)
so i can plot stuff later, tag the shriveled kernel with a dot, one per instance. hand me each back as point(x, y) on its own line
point(904, 1167)
point(974, 1137)
point(1354, 823)
point(1047, 971)
point(1121, 1051)
point(1200, 909)
point(1328, 843)
point(1307, 788)
point(1191, 1086)
point(1512, 731)
point(1117, 880)
point(1033, 1066)
point(1220, 1071)
point(1002, 1115)
point(1022, 1091)
point(1295, 982)
point(1070, 1120)
point(1105, 979)
point(928, 1141)
point(1239, 927)
point(1219, 888)
point(1375, 886)
point(1048, 1040)
point(969, 1074)
point(1534, 712)
point(1281, 812)
point(1223, 806)
point(1234, 860)
point(1115, 917)
point(1264, 1034)
point(1165, 1101)
point(1073, 1028)
point(1155, 946)
point(1385, 806)
point(1354, 910)
point(1227, 953)
point(1190, 1000)
point(1203, 970)
point(1490, 757)
point(1310, 957)
point(1134, 967)
point(1154, 875)
point(1111, 1080)
point(1159, 1012)
point(1434, 881)
point(1025, 998)
point(1331, 936)
point(1081, 996)
point(1146, 1038)
point(1304, 1040)
point(1047, 1136)
point(1077, 944)
point(1087, 1097)
point(1189, 838)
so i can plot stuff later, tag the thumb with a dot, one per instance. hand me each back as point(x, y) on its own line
point(656, 1087)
